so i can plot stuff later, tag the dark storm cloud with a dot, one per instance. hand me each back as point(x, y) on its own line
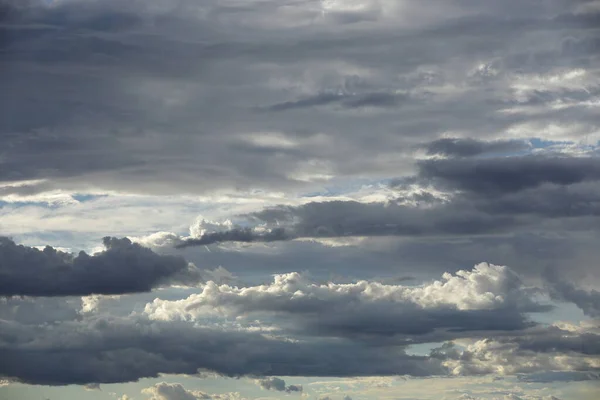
point(124, 267)
point(501, 175)
point(107, 95)
point(117, 350)
point(456, 147)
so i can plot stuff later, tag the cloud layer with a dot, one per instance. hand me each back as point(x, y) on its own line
point(351, 161)
point(123, 267)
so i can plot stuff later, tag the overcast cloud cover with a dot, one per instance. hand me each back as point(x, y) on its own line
point(329, 199)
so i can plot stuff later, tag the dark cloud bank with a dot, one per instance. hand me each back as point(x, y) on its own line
point(488, 195)
point(123, 267)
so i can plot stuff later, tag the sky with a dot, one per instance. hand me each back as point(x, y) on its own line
point(299, 199)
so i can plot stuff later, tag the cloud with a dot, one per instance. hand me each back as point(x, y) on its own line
point(245, 235)
point(176, 391)
point(123, 267)
point(279, 100)
point(278, 385)
point(560, 376)
point(352, 218)
point(561, 289)
point(346, 100)
point(467, 147)
point(104, 349)
point(305, 329)
point(140, 87)
point(502, 175)
point(510, 356)
point(488, 298)
point(465, 196)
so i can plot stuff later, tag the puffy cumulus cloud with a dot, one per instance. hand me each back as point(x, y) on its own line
point(550, 353)
point(104, 349)
point(331, 68)
point(123, 267)
point(176, 391)
point(489, 297)
point(203, 226)
point(95, 348)
point(277, 384)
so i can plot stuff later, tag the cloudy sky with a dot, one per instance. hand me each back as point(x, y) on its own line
point(299, 199)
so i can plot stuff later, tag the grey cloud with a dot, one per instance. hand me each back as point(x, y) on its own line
point(370, 310)
point(34, 311)
point(468, 147)
point(245, 235)
point(359, 100)
point(174, 391)
point(123, 267)
point(554, 339)
point(351, 218)
point(318, 100)
point(146, 100)
point(493, 176)
point(563, 290)
point(278, 384)
point(101, 350)
point(528, 250)
point(560, 376)
point(483, 196)
point(543, 348)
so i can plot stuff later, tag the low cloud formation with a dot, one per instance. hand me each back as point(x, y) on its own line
point(352, 218)
point(488, 298)
point(510, 396)
point(306, 329)
point(244, 235)
point(467, 147)
point(176, 391)
point(278, 385)
point(505, 357)
point(123, 267)
point(563, 290)
point(503, 175)
point(102, 349)
point(460, 196)
point(560, 353)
